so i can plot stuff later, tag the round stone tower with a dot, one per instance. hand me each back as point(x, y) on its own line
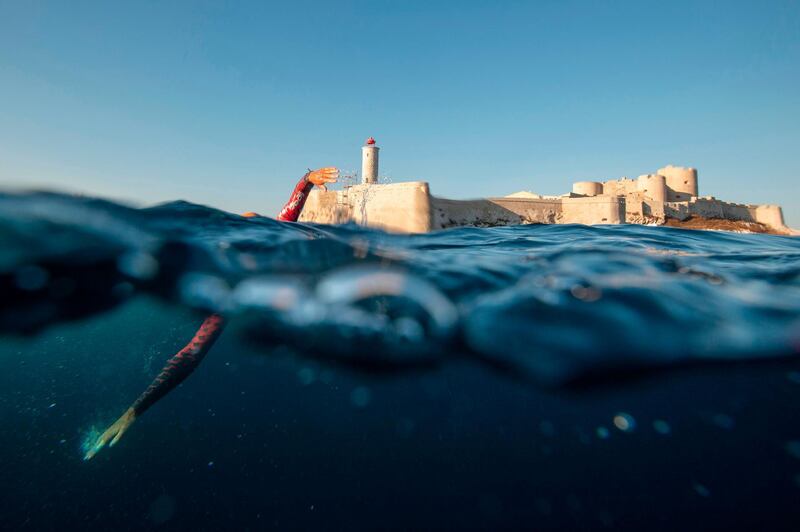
point(653, 186)
point(587, 188)
point(369, 162)
point(681, 182)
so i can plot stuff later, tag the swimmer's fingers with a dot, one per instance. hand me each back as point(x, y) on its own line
point(93, 451)
point(324, 181)
point(122, 431)
point(328, 170)
point(324, 175)
point(100, 443)
point(112, 433)
point(122, 425)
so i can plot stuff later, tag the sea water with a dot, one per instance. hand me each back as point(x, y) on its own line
point(535, 377)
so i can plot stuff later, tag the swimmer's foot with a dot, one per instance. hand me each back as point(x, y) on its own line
point(112, 433)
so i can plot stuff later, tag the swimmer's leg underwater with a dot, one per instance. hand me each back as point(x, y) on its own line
point(183, 363)
point(180, 366)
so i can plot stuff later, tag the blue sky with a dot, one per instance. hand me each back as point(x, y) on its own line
point(227, 104)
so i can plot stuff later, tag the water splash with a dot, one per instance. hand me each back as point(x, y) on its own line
point(89, 439)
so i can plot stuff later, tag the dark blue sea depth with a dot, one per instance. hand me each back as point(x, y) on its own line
point(531, 377)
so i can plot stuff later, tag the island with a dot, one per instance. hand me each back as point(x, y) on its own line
point(669, 196)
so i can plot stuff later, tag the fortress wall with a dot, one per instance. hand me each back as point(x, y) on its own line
point(653, 186)
point(396, 207)
point(634, 206)
point(506, 211)
point(640, 208)
point(481, 213)
point(324, 208)
point(771, 215)
point(587, 188)
point(672, 192)
point(681, 182)
point(494, 211)
point(619, 187)
point(678, 210)
point(677, 196)
point(712, 208)
point(735, 211)
point(654, 209)
point(409, 208)
point(596, 210)
point(543, 211)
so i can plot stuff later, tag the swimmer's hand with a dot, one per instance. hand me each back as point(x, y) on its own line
point(322, 176)
point(113, 433)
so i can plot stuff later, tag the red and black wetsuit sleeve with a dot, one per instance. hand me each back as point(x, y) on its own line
point(291, 211)
point(182, 364)
point(187, 359)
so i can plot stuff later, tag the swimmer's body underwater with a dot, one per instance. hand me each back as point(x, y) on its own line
point(187, 359)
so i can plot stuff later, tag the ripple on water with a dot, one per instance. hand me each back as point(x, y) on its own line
point(553, 303)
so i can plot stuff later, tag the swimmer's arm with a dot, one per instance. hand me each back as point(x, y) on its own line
point(187, 359)
point(291, 211)
point(174, 372)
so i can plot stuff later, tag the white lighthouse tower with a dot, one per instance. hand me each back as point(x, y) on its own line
point(369, 162)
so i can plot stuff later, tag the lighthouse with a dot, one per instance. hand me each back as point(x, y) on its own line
point(369, 162)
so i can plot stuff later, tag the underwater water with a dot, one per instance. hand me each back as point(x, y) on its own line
point(534, 377)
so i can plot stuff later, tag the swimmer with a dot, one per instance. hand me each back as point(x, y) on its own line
point(187, 359)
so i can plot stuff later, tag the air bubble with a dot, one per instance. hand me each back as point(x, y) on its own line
point(624, 422)
point(793, 448)
point(360, 397)
point(662, 427)
point(723, 421)
point(702, 490)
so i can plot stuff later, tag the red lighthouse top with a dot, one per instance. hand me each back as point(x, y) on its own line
point(370, 141)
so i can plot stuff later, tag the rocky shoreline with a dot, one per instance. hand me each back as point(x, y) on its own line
point(720, 224)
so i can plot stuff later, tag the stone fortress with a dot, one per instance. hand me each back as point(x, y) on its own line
point(668, 196)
